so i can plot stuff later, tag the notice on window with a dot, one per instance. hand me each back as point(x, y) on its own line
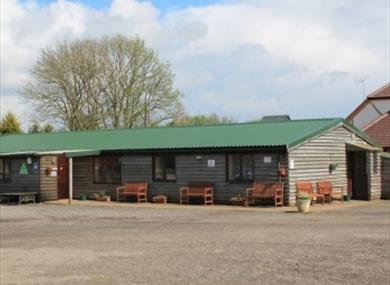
point(211, 163)
point(35, 167)
point(267, 159)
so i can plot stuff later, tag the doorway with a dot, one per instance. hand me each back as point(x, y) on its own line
point(62, 177)
point(358, 175)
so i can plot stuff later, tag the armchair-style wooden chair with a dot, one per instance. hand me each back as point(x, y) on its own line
point(325, 188)
point(306, 187)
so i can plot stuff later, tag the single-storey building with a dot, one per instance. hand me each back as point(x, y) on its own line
point(231, 156)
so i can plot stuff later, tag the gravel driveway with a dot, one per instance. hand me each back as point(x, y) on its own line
point(54, 244)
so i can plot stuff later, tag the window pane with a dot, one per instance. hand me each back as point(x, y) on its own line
point(247, 167)
point(234, 167)
point(107, 170)
point(117, 170)
point(98, 170)
point(7, 169)
point(158, 167)
point(170, 169)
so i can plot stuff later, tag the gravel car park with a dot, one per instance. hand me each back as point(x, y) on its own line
point(89, 244)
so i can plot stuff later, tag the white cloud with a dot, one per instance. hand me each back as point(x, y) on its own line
point(242, 58)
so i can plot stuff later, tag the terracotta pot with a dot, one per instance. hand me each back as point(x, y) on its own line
point(237, 202)
point(282, 172)
point(103, 199)
point(303, 206)
point(160, 200)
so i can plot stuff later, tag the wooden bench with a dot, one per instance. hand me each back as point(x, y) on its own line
point(137, 189)
point(204, 190)
point(22, 197)
point(265, 190)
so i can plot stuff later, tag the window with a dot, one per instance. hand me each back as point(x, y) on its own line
point(107, 170)
point(5, 169)
point(240, 167)
point(164, 167)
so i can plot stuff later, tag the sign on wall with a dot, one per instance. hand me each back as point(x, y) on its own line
point(23, 169)
point(211, 163)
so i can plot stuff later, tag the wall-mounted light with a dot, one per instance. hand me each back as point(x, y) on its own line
point(198, 157)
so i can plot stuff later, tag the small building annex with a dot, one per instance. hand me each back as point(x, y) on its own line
point(231, 156)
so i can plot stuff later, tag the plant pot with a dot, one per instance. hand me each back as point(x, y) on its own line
point(160, 200)
point(303, 206)
point(347, 197)
point(237, 202)
point(282, 172)
point(103, 199)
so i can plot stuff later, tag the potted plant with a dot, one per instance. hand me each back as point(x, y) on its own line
point(160, 199)
point(303, 202)
point(101, 196)
point(237, 200)
point(82, 197)
point(282, 171)
point(347, 197)
point(332, 167)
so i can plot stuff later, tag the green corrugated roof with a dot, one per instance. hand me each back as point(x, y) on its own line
point(255, 134)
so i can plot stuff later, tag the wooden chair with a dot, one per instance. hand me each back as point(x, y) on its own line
point(265, 190)
point(325, 188)
point(204, 190)
point(137, 189)
point(306, 187)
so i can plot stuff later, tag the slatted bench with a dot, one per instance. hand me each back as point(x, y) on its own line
point(204, 190)
point(21, 197)
point(265, 190)
point(135, 189)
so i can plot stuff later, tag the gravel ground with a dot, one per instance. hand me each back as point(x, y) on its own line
point(54, 244)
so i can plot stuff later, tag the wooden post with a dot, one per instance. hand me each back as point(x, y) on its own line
point(70, 180)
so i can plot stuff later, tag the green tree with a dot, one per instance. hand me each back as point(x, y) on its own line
point(199, 120)
point(103, 83)
point(10, 124)
point(35, 127)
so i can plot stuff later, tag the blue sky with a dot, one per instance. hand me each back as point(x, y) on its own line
point(238, 58)
point(161, 4)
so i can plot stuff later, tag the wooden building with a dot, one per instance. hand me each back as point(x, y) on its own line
point(231, 156)
point(373, 117)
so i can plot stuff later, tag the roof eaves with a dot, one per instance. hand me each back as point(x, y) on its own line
point(360, 133)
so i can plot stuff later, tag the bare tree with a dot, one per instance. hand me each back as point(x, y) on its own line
point(107, 83)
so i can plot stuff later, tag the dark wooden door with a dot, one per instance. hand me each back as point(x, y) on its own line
point(358, 173)
point(63, 177)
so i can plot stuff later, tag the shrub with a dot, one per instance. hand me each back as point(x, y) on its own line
point(237, 198)
point(303, 196)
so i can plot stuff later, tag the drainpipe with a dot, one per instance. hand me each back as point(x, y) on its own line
point(70, 180)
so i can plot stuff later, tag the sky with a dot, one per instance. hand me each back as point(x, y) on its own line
point(238, 58)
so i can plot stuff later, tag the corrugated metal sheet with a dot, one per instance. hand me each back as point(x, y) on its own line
point(255, 134)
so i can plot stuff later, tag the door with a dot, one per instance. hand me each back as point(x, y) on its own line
point(358, 174)
point(63, 177)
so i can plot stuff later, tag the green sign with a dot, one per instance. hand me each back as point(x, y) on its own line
point(23, 169)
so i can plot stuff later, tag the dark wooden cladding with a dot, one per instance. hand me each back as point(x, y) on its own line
point(21, 182)
point(385, 178)
point(191, 167)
